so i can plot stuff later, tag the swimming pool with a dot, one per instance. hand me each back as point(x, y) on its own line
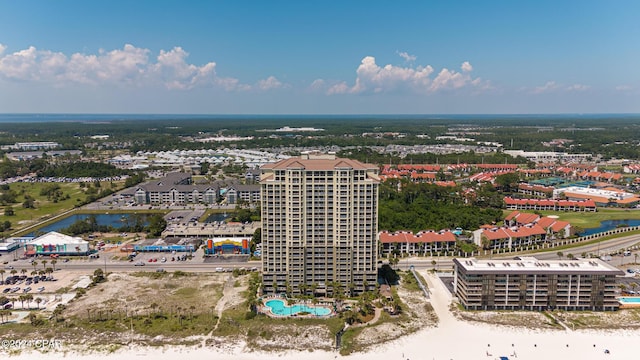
point(279, 308)
point(629, 300)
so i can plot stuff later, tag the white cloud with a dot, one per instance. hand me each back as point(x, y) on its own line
point(449, 80)
point(174, 71)
point(130, 66)
point(578, 87)
point(339, 88)
point(624, 88)
point(317, 84)
point(406, 56)
point(372, 78)
point(270, 83)
point(547, 87)
point(552, 86)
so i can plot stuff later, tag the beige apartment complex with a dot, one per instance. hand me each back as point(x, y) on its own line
point(530, 284)
point(319, 225)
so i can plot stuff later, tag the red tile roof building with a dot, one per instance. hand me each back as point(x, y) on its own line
point(549, 204)
point(426, 242)
point(510, 237)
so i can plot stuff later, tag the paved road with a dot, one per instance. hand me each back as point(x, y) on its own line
point(197, 264)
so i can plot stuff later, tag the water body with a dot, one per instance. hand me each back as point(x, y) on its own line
point(38, 118)
point(607, 225)
point(114, 220)
point(216, 217)
point(279, 308)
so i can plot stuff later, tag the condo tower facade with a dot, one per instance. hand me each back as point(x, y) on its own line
point(319, 225)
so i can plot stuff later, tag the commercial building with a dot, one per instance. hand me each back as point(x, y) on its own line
point(56, 243)
point(8, 245)
point(549, 156)
point(227, 246)
point(601, 197)
point(319, 225)
point(530, 284)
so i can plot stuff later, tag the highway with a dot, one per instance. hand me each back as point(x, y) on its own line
point(198, 265)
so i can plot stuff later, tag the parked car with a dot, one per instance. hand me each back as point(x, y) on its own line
point(139, 263)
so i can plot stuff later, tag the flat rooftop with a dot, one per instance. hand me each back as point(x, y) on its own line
point(531, 265)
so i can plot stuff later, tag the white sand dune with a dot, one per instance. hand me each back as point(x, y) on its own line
point(452, 339)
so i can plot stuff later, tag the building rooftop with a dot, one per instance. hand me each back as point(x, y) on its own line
point(319, 162)
point(55, 238)
point(531, 265)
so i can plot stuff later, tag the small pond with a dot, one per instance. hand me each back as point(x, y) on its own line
point(607, 225)
point(113, 220)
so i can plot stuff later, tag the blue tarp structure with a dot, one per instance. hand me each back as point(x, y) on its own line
point(163, 248)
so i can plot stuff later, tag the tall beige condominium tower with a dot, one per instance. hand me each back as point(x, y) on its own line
point(319, 225)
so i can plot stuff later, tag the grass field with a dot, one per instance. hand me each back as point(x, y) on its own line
point(591, 219)
point(72, 195)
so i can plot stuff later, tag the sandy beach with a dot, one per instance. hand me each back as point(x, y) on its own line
point(451, 339)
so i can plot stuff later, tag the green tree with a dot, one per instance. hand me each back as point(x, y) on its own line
point(29, 203)
point(157, 224)
point(98, 276)
point(8, 211)
point(256, 239)
point(507, 182)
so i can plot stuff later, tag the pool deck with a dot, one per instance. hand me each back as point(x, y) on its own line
point(264, 309)
point(628, 305)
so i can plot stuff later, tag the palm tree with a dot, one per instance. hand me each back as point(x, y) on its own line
point(53, 263)
point(22, 298)
point(13, 271)
point(6, 314)
point(28, 297)
point(38, 301)
point(34, 263)
point(635, 258)
point(44, 263)
point(560, 254)
point(23, 271)
point(2, 271)
point(623, 288)
point(153, 307)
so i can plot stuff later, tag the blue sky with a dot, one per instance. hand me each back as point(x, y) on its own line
point(319, 57)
